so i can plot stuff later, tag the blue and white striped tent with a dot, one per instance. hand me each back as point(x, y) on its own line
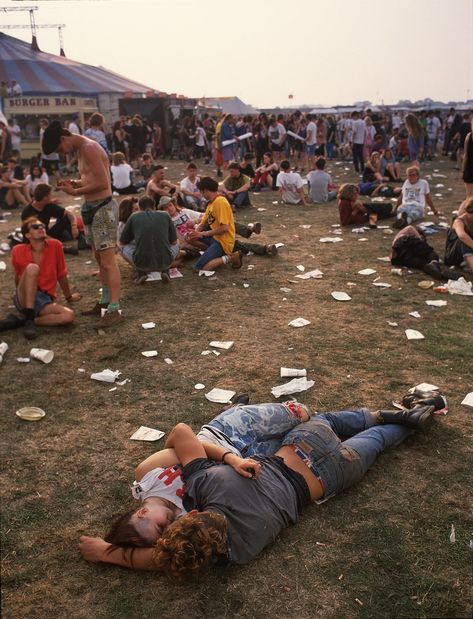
point(40, 73)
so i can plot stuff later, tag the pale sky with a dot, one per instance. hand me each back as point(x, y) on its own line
point(323, 52)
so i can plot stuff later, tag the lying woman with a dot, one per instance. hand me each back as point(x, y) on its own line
point(353, 211)
point(244, 504)
point(242, 430)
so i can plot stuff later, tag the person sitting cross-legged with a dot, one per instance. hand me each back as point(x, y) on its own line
point(235, 187)
point(39, 266)
point(156, 247)
point(415, 194)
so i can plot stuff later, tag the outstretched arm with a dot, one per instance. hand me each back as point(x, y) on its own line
point(96, 550)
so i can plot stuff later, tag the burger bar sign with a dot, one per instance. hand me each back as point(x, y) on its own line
point(50, 102)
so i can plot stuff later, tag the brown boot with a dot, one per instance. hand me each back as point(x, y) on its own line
point(271, 250)
point(236, 259)
point(96, 310)
point(109, 319)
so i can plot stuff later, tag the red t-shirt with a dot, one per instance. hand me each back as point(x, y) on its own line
point(346, 217)
point(52, 267)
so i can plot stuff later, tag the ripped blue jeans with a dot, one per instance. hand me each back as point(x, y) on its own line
point(254, 429)
point(340, 464)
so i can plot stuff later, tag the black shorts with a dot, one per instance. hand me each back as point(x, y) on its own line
point(276, 148)
point(50, 166)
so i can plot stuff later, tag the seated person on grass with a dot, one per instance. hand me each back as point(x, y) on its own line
point(265, 175)
point(147, 166)
point(353, 211)
point(459, 243)
point(189, 190)
point(156, 247)
point(415, 194)
point(372, 170)
point(321, 187)
point(122, 174)
point(44, 207)
point(216, 230)
point(39, 266)
point(235, 187)
point(389, 166)
point(12, 192)
point(290, 185)
point(246, 166)
point(159, 186)
point(245, 503)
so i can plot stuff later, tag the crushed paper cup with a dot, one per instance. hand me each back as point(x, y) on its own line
point(3, 349)
point(199, 386)
point(106, 376)
point(413, 334)
point(146, 434)
point(341, 296)
point(468, 400)
point(206, 273)
point(299, 322)
point(221, 396)
point(41, 354)
point(367, 272)
point(30, 413)
point(296, 385)
point(224, 345)
point(288, 372)
point(436, 303)
point(150, 353)
point(148, 325)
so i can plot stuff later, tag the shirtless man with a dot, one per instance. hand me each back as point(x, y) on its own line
point(99, 212)
point(158, 186)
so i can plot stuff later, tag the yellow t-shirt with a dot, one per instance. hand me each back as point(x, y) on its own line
point(220, 212)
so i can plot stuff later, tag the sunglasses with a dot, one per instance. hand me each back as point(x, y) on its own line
point(37, 227)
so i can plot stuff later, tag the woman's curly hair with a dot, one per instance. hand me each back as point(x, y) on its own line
point(348, 191)
point(191, 545)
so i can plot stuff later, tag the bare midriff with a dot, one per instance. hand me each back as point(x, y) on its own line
point(293, 461)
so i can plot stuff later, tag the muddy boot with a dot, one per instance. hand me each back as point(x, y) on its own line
point(418, 418)
point(439, 402)
point(433, 269)
point(96, 310)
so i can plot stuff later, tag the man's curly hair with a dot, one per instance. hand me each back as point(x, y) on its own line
point(191, 545)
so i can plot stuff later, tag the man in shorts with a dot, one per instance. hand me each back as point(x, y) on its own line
point(99, 212)
point(39, 266)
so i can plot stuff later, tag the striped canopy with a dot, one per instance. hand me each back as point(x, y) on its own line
point(39, 73)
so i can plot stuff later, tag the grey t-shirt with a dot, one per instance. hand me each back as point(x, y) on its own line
point(153, 233)
point(256, 510)
point(319, 182)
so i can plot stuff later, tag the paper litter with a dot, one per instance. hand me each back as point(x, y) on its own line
point(206, 273)
point(341, 296)
point(384, 259)
point(299, 322)
point(382, 284)
point(412, 334)
point(261, 209)
point(367, 272)
point(146, 434)
point(300, 267)
point(25, 360)
point(106, 376)
point(452, 537)
point(287, 372)
point(424, 388)
point(283, 289)
point(224, 345)
point(437, 303)
point(460, 286)
point(148, 325)
point(414, 314)
point(393, 324)
point(206, 352)
point(296, 385)
point(155, 276)
point(246, 285)
point(221, 396)
point(361, 230)
point(330, 239)
point(468, 400)
point(278, 245)
point(3, 266)
point(199, 386)
point(315, 274)
point(216, 353)
point(363, 239)
point(168, 361)
point(306, 226)
point(150, 353)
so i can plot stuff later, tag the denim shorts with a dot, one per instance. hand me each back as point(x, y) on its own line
point(41, 299)
point(214, 250)
point(311, 149)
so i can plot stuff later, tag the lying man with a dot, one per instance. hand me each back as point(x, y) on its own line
point(245, 503)
point(39, 266)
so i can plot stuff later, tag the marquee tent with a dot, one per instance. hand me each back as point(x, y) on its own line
point(40, 73)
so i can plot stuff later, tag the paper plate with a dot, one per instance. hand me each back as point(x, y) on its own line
point(425, 284)
point(341, 296)
point(30, 413)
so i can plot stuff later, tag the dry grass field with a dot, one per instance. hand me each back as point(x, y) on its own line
point(380, 550)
